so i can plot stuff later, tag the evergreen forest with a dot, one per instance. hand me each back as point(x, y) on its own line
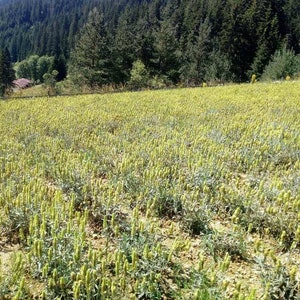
point(154, 42)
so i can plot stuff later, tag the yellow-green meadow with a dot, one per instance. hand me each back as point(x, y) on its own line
point(170, 194)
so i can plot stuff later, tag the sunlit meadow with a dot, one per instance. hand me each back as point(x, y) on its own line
point(175, 194)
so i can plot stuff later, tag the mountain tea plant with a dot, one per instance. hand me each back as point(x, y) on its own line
point(173, 194)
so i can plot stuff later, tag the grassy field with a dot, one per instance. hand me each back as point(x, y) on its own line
point(179, 194)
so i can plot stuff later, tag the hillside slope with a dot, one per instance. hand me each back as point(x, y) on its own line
point(184, 40)
point(41, 26)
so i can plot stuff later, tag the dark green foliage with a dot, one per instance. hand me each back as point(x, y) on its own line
point(166, 52)
point(178, 41)
point(35, 67)
point(40, 27)
point(60, 65)
point(291, 10)
point(217, 68)
point(195, 54)
point(90, 60)
point(7, 73)
point(268, 35)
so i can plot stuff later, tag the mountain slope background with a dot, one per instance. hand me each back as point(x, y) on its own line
point(178, 40)
point(43, 27)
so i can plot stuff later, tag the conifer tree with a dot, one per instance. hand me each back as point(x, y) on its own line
point(90, 57)
point(166, 54)
point(195, 54)
point(268, 36)
point(7, 73)
point(59, 64)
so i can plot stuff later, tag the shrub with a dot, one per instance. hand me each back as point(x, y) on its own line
point(109, 218)
point(220, 243)
point(278, 282)
point(139, 75)
point(283, 63)
point(168, 205)
point(14, 286)
point(196, 220)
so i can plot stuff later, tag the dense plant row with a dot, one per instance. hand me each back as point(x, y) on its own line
point(152, 195)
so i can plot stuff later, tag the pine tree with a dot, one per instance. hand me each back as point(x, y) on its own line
point(59, 64)
point(291, 10)
point(123, 48)
point(268, 36)
point(7, 73)
point(2, 74)
point(166, 52)
point(90, 62)
point(235, 40)
point(195, 54)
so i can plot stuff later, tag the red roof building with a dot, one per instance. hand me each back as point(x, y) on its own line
point(22, 83)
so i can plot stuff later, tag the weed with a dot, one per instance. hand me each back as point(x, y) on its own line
point(219, 244)
point(278, 282)
point(14, 285)
point(167, 205)
point(108, 218)
point(196, 220)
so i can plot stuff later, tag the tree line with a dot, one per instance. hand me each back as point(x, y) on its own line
point(168, 41)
